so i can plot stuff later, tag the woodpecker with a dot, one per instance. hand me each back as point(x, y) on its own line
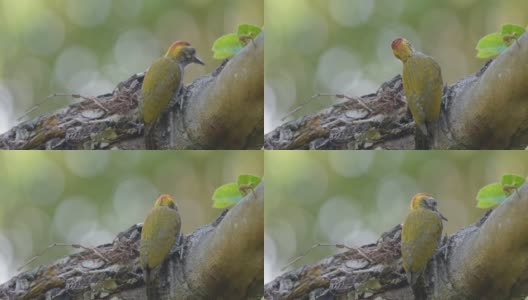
point(160, 230)
point(421, 234)
point(164, 79)
point(422, 84)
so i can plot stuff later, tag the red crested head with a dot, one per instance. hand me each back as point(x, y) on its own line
point(176, 47)
point(179, 43)
point(402, 49)
point(425, 201)
point(396, 43)
point(418, 200)
point(165, 200)
point(184, 53)
point(165, 197)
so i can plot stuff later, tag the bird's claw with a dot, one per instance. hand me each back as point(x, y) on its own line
point(180, 103)
point(180, 248)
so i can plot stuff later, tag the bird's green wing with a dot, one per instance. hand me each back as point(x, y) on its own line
point(423, 86)
point(434, 87)
point(161, 82)
point(164, 227)
point(421, 233)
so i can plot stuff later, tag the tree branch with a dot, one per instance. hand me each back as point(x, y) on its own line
point(492, 112)
point(223, 110)
point(229, 262)
point(486, 110)
point(486, 260)
point(223, 260)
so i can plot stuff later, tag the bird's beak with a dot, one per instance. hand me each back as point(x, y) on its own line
point(441, 216)
point(197, 60)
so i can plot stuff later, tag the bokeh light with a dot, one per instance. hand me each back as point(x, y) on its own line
point(343, 46)
point(88, 47)
point(88, 197)
point(352, 197)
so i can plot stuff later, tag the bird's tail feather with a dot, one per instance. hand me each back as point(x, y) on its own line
point(149, 286)
point(421, 140)
point(150, 139)
point(418, 286)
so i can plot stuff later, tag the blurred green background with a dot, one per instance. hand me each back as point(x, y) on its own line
point(88, 197)
point(88, 47)
point(343, 46)
point(352, 197)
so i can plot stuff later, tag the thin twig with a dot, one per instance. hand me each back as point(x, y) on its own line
point(77, 246)
point(27, 112)
point(93, 99)
point(245, 188)
point(339, 96)
point(298, 108)
point(244, 39)
point(300, 256)
point(76, 96)
point(358, 250)
point(94, 250)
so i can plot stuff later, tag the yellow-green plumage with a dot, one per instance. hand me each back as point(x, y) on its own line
point(160, 231)
point(422, 84)
point(421, 234)
point(161, 83)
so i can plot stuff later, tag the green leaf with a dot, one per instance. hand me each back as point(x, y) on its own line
point(247, 31)
point(490, 45)
point(507, 29)
point(511, 182)
point(230, 44)
point(247, 181)
point(490, 195)
point(226, 46)
point(494, 44)
point(226, 195)
point(511, 32)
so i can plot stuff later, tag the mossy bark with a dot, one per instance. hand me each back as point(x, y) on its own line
point(222, 260)
point(222, 110)
point(486, 260)
point(485, 110)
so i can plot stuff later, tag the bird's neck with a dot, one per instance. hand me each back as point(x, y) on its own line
point(406, 56)
point(180, 60)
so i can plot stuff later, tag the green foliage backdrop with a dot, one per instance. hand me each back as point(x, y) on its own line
point(88, 47)
point(343, 46)
point(353, 196)
point(88, 197)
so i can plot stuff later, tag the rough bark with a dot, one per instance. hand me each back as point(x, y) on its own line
point(486, 110)
point(222, 110)
point(486, 260)
point(223, 260)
